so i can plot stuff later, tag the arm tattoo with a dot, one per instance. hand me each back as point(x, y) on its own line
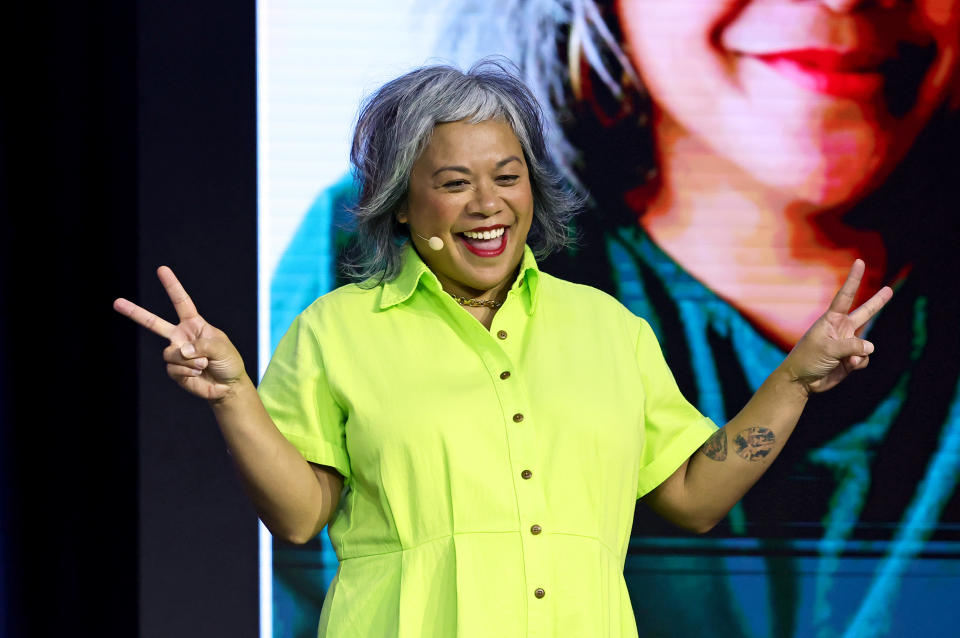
point(716, 446)
point(755, 443)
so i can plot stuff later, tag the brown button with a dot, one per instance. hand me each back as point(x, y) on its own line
point(517, 417)
point(539, 593)
point(536, 529)
point(526, 474)
point(502, 334)
point(505, 375)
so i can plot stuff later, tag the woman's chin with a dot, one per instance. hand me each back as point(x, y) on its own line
point(821, 180)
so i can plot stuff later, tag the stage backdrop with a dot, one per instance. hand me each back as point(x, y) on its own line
point(785, 160)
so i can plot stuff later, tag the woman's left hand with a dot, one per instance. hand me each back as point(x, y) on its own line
point(831, 349)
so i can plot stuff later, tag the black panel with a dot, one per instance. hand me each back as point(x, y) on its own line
point(197, 203)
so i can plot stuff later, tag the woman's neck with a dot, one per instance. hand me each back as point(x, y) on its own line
point(778, 261)
point(483, 314)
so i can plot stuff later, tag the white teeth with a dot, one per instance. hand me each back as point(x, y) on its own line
point(486, 234)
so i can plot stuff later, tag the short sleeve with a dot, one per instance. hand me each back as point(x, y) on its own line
point(296, 394)
point(674, 429)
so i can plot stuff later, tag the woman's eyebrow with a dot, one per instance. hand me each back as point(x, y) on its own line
point(459, 169)
point(507, 160)
point(467, 171)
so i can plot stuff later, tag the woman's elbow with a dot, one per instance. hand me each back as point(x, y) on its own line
point(293, 535)
point(703, 526)
point(697, 522)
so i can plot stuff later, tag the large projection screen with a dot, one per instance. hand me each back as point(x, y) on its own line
point(786, 161)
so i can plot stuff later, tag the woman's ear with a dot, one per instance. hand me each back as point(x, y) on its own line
point(402, 217)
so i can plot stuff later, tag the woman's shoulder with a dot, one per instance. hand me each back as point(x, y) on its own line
point(348, 303)
point(585, 300)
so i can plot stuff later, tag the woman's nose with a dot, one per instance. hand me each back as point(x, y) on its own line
point(485, 200)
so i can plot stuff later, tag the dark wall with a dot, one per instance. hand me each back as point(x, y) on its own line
point(128, 140)
point(197, 205)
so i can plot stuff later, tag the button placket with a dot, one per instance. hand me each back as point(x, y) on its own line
point(507, 342)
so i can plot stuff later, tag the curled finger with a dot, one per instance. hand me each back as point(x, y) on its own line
point(846, 349)
point(177, 372)
point(174, 354)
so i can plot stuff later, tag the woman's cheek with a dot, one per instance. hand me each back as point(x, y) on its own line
point(673, 46)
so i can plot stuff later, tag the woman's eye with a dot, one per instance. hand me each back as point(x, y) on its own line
point(457, 183)
point(508, 179)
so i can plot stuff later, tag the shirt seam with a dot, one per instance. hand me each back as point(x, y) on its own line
point(427, 542)
point(455, 534)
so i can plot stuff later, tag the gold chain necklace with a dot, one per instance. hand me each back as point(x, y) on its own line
point(476, 303)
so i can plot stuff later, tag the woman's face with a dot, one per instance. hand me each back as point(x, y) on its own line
point(470, 187)
point(816, 99)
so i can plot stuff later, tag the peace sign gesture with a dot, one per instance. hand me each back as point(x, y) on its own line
point(831, 349)
point(200, 357)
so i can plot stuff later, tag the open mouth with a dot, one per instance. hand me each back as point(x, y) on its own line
point(485, 242)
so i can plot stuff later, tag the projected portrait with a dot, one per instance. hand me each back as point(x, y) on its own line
point(736, 157)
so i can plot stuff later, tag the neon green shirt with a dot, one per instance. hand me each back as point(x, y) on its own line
point(491, 476)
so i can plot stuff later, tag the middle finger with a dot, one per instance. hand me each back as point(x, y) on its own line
point(871, 306)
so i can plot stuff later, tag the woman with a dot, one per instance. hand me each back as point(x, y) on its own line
point(493, 425)
point(737, 156)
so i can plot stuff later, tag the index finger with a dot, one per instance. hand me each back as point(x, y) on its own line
point(844, 298)
point(181, 300)
point(144, 317)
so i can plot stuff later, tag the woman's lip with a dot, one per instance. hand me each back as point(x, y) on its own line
point(486, 253)
point(863, 61)
point(855, 74)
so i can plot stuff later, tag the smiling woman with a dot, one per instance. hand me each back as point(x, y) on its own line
point(475, 431)
point(471, 188)
point(411, 157)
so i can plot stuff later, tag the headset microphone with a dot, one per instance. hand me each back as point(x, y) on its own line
point(434, 242)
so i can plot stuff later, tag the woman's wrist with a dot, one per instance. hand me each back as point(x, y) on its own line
point(238, 390)
point(789, 383)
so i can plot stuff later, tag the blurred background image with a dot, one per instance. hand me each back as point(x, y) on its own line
point(736, 157)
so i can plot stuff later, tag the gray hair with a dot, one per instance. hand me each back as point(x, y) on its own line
point(394, 127)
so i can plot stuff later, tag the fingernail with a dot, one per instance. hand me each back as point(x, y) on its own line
point(187, 350)
point(867, 347)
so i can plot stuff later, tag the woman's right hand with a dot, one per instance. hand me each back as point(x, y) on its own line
point(200, 357)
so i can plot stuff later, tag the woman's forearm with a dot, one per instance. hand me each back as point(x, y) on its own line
point(710, 482)
point(292, 500)
point(717, 476)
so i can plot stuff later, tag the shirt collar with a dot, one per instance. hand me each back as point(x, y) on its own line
point(415, 271)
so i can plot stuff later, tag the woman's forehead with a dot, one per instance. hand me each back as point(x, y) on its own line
point(472, 141)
